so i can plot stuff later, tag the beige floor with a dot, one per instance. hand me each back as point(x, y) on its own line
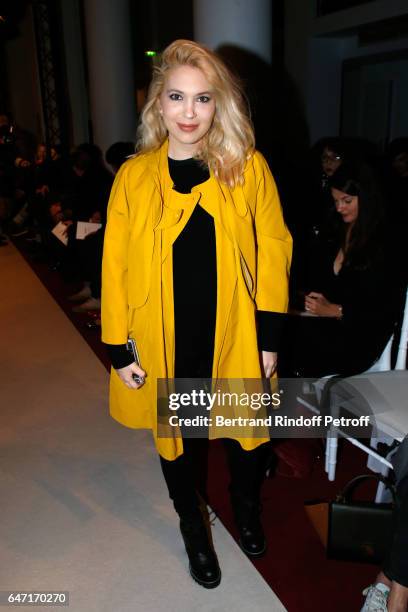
point(83, 506)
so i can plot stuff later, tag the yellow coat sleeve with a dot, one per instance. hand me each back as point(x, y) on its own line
point(274, 243)
point(114, 310)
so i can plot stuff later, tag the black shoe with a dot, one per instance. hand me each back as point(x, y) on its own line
point(252, 539)
point(204, 567)
point(251, 535)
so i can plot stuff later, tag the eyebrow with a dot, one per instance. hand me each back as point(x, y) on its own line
point(201, 93)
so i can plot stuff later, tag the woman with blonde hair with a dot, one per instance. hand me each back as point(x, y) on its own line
point(195, 269)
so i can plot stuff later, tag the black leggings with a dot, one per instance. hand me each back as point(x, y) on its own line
point(187, 475)
point(396, 567)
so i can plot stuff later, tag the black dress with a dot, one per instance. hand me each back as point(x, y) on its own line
point(370, 291)
point(194, 258)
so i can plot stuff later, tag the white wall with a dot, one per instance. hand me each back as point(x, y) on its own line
point(348, 19)
point(323, 94)
point(244, 23)
point(316, 47)
point(112, 90)
point(326, 56)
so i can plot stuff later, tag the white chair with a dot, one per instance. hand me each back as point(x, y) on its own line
point(388, 403)
point(385, 395)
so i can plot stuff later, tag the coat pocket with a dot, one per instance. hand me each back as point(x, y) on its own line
point(248, 277)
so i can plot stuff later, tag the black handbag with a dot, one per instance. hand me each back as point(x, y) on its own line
point(360, 531)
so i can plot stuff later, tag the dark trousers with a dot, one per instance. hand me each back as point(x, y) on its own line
point(186, 476)
point(396, 567)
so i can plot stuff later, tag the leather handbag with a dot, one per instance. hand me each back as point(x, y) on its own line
point(358, 530)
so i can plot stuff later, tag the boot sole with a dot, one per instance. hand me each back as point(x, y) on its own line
point(206, 585)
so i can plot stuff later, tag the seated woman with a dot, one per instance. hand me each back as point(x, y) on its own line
point(355, 292)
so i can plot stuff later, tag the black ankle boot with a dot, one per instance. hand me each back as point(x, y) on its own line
point(247, 518)
point(204, 566)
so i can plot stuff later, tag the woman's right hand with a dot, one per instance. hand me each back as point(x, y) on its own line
point(318, 305)
point(125, 375)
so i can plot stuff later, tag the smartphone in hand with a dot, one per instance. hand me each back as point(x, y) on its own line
point(132, 348)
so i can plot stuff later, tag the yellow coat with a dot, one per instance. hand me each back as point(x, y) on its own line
point(145, 216)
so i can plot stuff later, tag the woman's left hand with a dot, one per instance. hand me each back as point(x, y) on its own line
point(318, 305)
point(269, 363)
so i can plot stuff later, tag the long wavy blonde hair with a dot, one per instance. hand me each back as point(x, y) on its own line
point(230, 140)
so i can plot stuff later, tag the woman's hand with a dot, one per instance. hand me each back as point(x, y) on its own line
point(125, 375)
point(269, 363)
point(318, 305)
